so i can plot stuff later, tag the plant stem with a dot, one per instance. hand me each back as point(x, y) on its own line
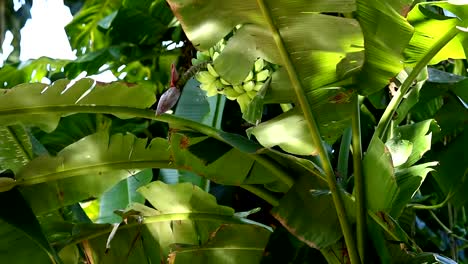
point(360, 190)
point(343, 156)
point(314, 131)
point(432, 207)
point(406, 85)
point(262, 193)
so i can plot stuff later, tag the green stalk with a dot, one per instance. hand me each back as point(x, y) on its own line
point(343, 156)
point(360, 191)
point(432, 207)
point(315, 134)
point(406, 85)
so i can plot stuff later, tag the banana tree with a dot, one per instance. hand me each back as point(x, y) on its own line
point(321, 65)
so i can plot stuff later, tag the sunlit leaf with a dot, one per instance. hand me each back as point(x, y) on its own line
point(380, 182)
point(228, 244)
point(63, 94)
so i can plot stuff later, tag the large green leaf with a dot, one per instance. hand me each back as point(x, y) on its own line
point(229, 244)
point(289, 131)
point(65, 95)
point(386, 34)
point(308, 212)
point(430, 26)
point(100, 161)
point(184, 214)
point(318, 43)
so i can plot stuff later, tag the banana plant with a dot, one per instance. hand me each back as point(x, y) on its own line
point(323, 64)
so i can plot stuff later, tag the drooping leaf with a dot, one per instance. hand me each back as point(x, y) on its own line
point(386, 34)
point(228, 244)
point(409, 181)
point(121, 195)
point(308, 212)
point(21, 234)
point(41, 104)
point(100, 161)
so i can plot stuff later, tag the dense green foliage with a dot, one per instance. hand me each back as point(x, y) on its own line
point(306, 132)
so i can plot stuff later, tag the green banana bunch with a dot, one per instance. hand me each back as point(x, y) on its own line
point(213, 83)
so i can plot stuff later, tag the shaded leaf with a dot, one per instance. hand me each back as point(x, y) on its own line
point(121, 195)
point(452, 172)
point(409, 181)
point(21, 234)
point(228, 244)
point(308, 212)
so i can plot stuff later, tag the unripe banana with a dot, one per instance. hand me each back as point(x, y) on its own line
point(259, 64)
point(213, 83)
point(230, 93)
point(224, 82)
point(219, 86)
point(263, 75)
point(243, 100)
point(211, 70)
point(239, 89)
point(252, 94)
point(258, 86)
point(203, 56)
point(211, 92)
point(249, 86)
point(205, 77)
point(249, 77)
